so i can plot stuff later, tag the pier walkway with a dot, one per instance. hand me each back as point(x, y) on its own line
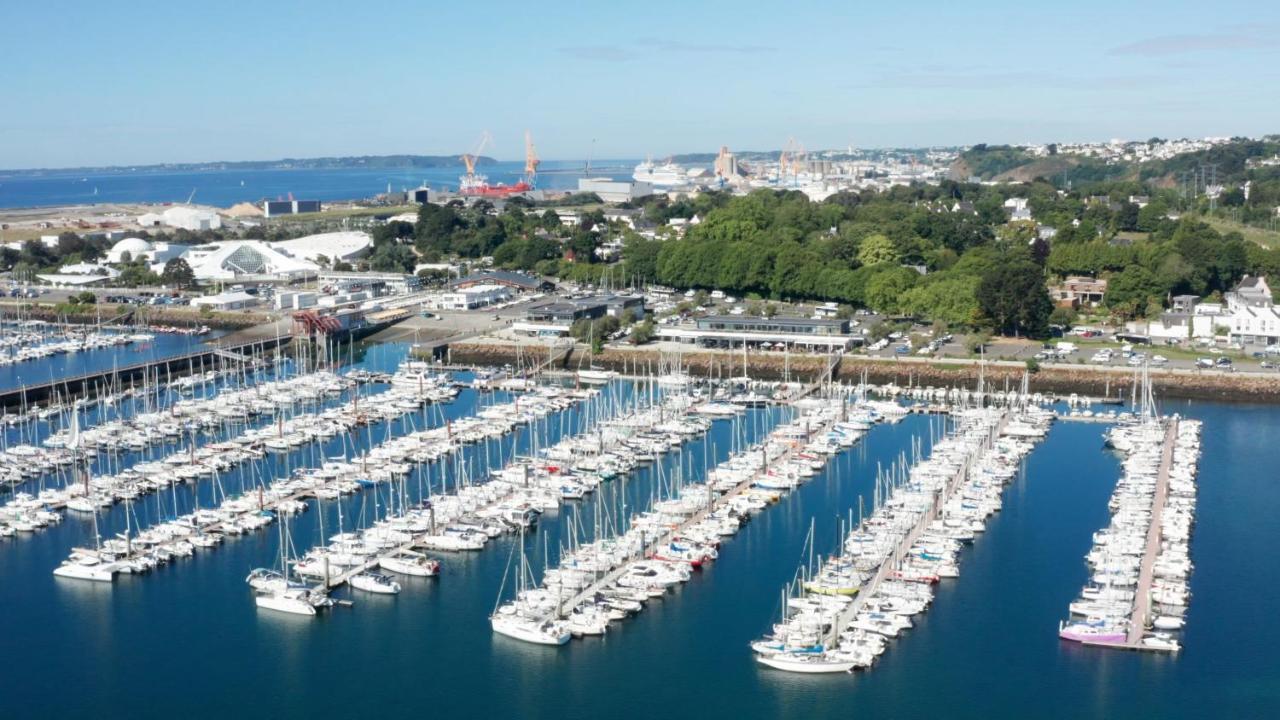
point(86, 384)
point(891, 563)
point(1142, 602)
point(718, 503)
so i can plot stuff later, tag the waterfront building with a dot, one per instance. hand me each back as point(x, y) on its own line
point(246, 259)
point(1247, 316)
point(615, 191)
point(473, 297)
point(139, 249)
point(566, 312)
point(80, 275)
point(729, 331)
point(377, 284)
point(227, 301)
point(273, 208)
point(345, 246)
point(1251, 316)
point(182, 216)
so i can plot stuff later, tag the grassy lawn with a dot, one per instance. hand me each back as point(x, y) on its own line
point(1265, 238)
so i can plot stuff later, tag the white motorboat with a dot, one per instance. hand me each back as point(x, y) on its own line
point(293, 601)
point(596, 376)
point(375, 583)
point(410, 563)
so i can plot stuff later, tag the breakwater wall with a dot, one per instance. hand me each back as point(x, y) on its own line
point(1061, 379)
point(143, 314)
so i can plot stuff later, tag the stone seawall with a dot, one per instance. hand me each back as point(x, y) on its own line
point(1060, 379)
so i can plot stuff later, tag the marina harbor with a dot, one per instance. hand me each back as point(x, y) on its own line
point(594, 500)
point(337, 384)
point(252, 445)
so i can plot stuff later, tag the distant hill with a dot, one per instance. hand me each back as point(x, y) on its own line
point(988, 161)
point(1228, 158)
point(1013, 164)
point(322, 163)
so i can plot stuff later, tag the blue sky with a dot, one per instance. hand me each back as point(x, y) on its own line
point(91, 83)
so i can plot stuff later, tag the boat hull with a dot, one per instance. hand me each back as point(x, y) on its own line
point(810, 667)
point(286, 605)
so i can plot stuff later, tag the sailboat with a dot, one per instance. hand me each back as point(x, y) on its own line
point(86, 565)
point(595, 375)
point(519, 619)
point(275, 592)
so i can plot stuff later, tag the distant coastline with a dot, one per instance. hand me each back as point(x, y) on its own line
point(351, 162)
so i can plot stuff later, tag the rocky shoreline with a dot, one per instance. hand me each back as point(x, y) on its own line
point(1060, 379)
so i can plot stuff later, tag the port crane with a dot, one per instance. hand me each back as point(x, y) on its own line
point(531, 161)
point(477, 185)
point(470, 159)
point(791, 160)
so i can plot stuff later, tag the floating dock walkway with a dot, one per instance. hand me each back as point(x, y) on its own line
point(1142, 599)
point(891, 563)
point(175, 366)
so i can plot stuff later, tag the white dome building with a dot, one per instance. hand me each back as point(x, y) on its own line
point(137, 248)
point(345, 246)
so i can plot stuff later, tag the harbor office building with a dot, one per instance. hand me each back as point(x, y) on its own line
point(566, 312)
point(473, 297)
point(730, 331)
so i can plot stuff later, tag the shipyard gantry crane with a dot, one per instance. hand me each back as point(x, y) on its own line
point(470, 159)
point(531, 161)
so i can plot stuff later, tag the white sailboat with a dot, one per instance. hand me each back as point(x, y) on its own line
point(275, 592)
point(519, 620)
point(86, 565)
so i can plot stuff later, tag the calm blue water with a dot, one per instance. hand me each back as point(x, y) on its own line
point(56, 367)
point(224, 188)
point(187, 639)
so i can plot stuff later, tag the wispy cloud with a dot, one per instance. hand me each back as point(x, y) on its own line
point(1233, 38)
point(705, 48)
point(606, 53)
point(930, 76)
point(646, 46)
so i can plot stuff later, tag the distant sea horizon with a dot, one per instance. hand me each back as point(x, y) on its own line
point(226, 187)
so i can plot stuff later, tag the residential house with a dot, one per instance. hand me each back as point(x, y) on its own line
point(1075, 291)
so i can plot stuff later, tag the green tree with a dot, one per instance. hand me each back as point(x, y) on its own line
point(640, 257)
point(877, 249)
point(1013, 297)
point(1129, 292)
point(642, 332)
point(885, 289)
point(177, 273)
point(393, 258)
point(1062, 316)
